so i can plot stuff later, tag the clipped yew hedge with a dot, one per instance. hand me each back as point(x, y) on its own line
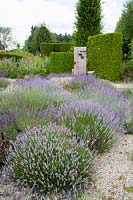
point(10, 55)
point(61, 62)
point(104, 55)
point(47, 48)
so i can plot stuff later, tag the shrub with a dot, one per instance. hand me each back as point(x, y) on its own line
point(10, 55)
point(99, 92)
point(47, 48)
point(50, 159)
point(61, 62)
point(20, 53)
point(91, 123)
point(8, 131)
point(130, 62)
point(131, 52)
point(3, 73)
point(26, 66)
point(75, 85)
point(37, 98)
point(105, 55)
point(7, 124)
point(3, 83)
point(30, 102)
point(127, 71)
point(128, 92)
point(128, 126)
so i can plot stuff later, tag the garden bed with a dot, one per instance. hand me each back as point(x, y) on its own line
point(86, 115)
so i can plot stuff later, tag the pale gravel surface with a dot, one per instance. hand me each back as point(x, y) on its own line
point(114, 171)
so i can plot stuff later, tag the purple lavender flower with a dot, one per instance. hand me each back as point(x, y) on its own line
point(92, 122)
point(50, 158)
point(8, 126)
point(3, 73)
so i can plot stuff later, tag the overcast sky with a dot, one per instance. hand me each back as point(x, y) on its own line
point(58, 15)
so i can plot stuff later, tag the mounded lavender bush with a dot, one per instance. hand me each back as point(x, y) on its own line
point(100, 92)
point(8, 131)
point(3, 73)
point(7, 124)
point(3, 83)
point(49, 158)
point(33, 100)
point(90, 122)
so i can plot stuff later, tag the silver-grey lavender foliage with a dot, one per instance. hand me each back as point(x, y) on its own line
point(50, 158)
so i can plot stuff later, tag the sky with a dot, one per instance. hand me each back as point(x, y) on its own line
point(58, 15)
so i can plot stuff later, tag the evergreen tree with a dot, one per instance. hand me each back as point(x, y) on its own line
point(38, 34)
point(88, 20)
point(125, 25)
point(61, 38)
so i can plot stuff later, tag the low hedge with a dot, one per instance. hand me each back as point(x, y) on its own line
point(47, 48)
point(61, 62)
point(20, 53)
point(104, 54)
point(10, 55)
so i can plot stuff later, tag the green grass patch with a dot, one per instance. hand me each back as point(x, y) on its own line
point(128, 189)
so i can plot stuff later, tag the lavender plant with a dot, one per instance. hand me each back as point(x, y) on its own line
point(7, 124)
point(90, 122)
point(28, 65)
point(3, 73)
point(101, 92)
point(50, 158)
point(3, 83)
point(128, 124)
point(9, 67)
point(33, 100)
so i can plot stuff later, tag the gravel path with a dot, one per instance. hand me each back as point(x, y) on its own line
point(114, 171)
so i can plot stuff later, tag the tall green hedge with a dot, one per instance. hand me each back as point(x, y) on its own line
point(61, 62)
point(104, 54)
point(47, 48)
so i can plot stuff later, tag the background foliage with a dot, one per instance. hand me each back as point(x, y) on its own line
point(33, 65)
point(125, 25)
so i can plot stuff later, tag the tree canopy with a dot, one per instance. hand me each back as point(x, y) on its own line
point(39, 34)
point(6, 38)
point(88, 20)
point(125, 25)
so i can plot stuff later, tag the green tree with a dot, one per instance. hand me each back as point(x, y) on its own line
point(6, 38)
point(41, 34)
point(88, 20)
point(38, 34)
point(63, 37)
point(125, 25)
point(29, 46)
